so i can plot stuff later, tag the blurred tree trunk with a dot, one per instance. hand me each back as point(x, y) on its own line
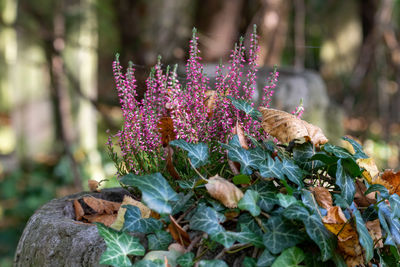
point(299, 34)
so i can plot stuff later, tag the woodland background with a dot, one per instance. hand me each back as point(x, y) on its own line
point(57, 96)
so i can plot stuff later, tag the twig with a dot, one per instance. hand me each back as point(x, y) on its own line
point(233, 249)
point(201, 176)
point(193, 243)
point(185, 213)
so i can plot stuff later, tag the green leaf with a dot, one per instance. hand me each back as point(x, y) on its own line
point(119, 245)
point(265, 259)
point(364, 237)
point(296, 212)
point(241, 155)
point(225, 238)
point(291, 257)
point(188, 183)
point(246, 107)
point(249, 262)
point(247, 220)
point(156, 192)
point(135, 223)
point(378, 187)
point(179, 205)
point(357, 148)
point(212, 263)
point(281, 235)
point(338, 260)
point(241, 179)
point(302, 154)
point(352, 167)
point(325, 158)
point(160, 240)
point(159, 255)
point(286, 200)
point(258, 155)
point(320, 235)
point(309, 201)
point(272, 168)
point(292, 172)
point(149, 263)
point(345, 182)
point(394, 201)
point(197, 153)
point(267, 195)
point(246, 236)
point(206, 219)
point(186, 260)
point(340, 201)
point(339, 152)
point(249, 202)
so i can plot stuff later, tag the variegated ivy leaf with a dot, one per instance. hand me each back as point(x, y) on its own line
point(119, 245)
point(156, 192)
point(282, 234)
point(212, 263)
point(241, 155)
point(183, 200)
point(296, 212)
point(135, 223)
point(186, 260)
point(247, 220)
point(291, 257)
point(363, 235)
point(249, 202)
point(160, 240)
point(309, 201)
point(359, 153)
point(267, 195)
point(271, 169)
point(286, 200)
point(206, 219)
point(380, 188)
point(246, 107)
point(339, 152)
point(266, 258)
point(246, 236)
point(258, 155)
point(149, 263)
point(197, 153)
point(225, 238)
point(394, 201)
point(320, 235)
point(345, 182)
point(390, 224)
point(292, 172)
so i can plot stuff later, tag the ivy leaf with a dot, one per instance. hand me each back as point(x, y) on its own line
point(266, 258)
point(292, 172)
point(206, 219)
point(156, 192)
point(160, 240)
point(249, 262)
point(258, 155)
point(394, 201)
point(197, 153)
point(302, 154)
point(119, 245)
point(309, 201)
point(241, 179)
point(378, 187)
point(286, 200)
point(241, 155)
point(320, 235)
point(325, 158)
point(249, 202)
point(245, 219)
point(243, 105)
point(359, 153)
point(149, 263)
point(225, 238)
point(188, 183)
point(364, 236)
point(339, 152)
point(281, 235)
point(212, 263)
point(272, 168)
point(135, 223)
point(267, 195)
point(179, 205)
point(291, 257)
point(345, 182)
point(296, 212)
point(186, 260)
point(247, 236)
point(352, 167)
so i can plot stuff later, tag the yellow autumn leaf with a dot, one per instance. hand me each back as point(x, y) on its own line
point(370, 169)
point(119, 222)
point(286, 127)
point(224, 191)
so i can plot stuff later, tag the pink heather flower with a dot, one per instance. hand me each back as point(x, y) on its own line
point(269, 89)
point(298, 112)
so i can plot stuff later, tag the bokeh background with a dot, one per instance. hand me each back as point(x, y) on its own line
point(57, 95)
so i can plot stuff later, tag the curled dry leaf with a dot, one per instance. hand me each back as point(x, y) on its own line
point(374, 229)
point(286, 127)
point(242, 138)
point(322, 196)
point(371, 171)
point(390, 180)
point(119, 222)
point(101, 206)
point(93, 185)
point(106, 219)
point(360, 198)
point(166, 129)
point(78, 210)
point(178, 233)
point(224, 191)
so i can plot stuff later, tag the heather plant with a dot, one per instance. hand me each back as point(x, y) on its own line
point(281, 195)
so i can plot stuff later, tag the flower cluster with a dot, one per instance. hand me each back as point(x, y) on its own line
point(190, 110)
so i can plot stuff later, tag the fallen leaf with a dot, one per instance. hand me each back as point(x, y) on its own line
point(170, 166)
point(119, 222)
point(322, 196)
point(360, 198)
point(78, 210)
point(166, 129)
point(106, 219)
point(242, 138)
point(390, 180)
point(211, 96)
point(178, 233)
point(371, 171)
point(224, 191)
point(102, 206)
point(286, 127)
point(374, 229)
point(93, 185)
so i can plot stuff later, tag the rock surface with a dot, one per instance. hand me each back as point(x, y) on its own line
point(53, 238)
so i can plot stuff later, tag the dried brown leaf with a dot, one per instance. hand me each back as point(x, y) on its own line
point(102, 206)
point(242, 137)
point(106, 219)
point(390, 180)
point(374, 229)
point(78, 210)
point(93, 185)
point(170, 166)
point(322, 196)
point(178, 233)
point(363, 200)
point(224, 191)
point(286, 127)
